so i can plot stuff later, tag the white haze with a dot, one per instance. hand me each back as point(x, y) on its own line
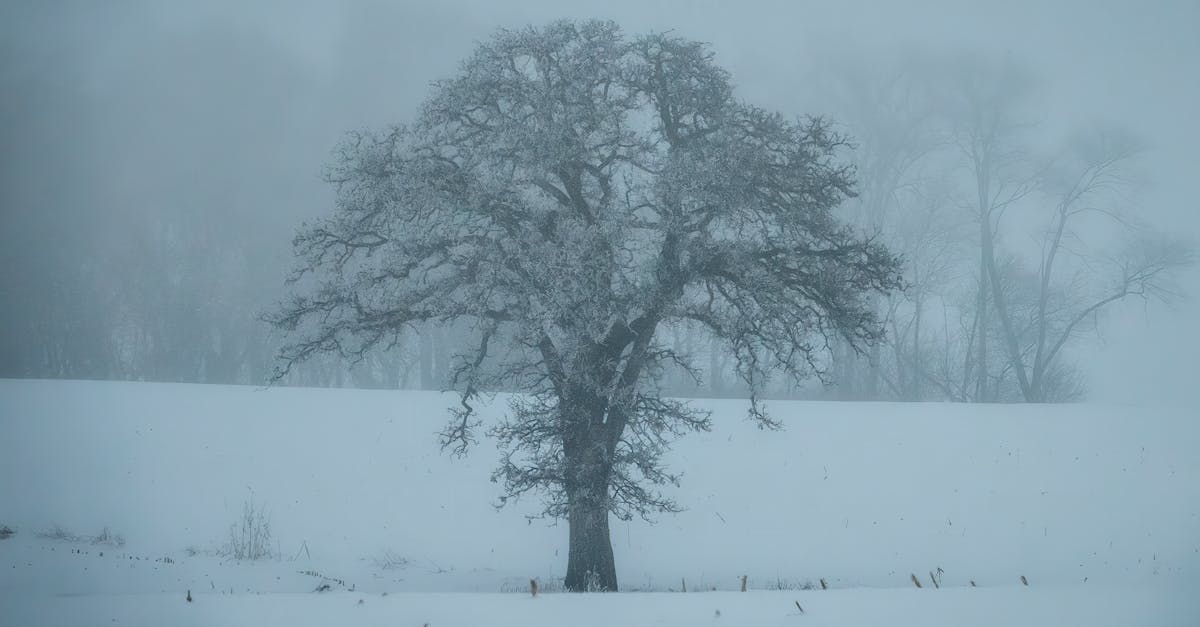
point(230, 109)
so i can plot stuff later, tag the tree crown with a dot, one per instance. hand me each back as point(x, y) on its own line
point(569, 192)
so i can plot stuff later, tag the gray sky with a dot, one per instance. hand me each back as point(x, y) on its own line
point(332, 67)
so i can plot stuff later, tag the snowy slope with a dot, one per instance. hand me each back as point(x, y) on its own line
point(1079, 499)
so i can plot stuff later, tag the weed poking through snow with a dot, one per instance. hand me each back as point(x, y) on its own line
point(250, 536)
point(389, 560)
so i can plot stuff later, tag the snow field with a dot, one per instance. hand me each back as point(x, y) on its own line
point(1097, 506)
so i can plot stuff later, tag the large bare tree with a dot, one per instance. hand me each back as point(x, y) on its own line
point(570, 193)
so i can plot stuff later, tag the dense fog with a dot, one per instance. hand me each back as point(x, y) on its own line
point(158, 159)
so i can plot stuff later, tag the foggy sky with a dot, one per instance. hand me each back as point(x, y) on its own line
point(235, 106)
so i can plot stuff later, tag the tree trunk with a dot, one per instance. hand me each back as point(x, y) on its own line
point(1006, 325)
point(981, 381)
point(425, 358)
point(873, 373)
point(587, 454)
point(917, 366)
point(441, 356)
point(716, 367)
point(590, 563)
point(982, 159)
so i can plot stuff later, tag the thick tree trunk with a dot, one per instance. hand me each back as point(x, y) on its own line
point(592, 425)
point(590, 564)
point(587, 452)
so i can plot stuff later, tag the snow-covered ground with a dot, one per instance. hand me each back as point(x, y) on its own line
point(1098, 507)
point(1058, 606)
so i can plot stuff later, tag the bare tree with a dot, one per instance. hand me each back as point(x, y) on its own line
point(929, 232)
point(570, 193)
point(889, 112)
point(985, 107)
point(947, 134)
point(1087, 182)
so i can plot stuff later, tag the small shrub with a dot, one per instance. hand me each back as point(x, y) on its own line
point(389, 560)
point(781, 583)
point(107, 537)
point(57, 532)
point(544, 586)
point(6, 532)
point(250, 536)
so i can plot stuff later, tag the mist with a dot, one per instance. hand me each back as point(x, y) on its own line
point(159, 157)
point(599, 313)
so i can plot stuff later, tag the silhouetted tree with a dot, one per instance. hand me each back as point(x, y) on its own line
point(570, 193)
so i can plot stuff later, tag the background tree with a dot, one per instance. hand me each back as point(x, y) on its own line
point(1078, 276)
point(887, 111)
point(944, 148)
point(570, 194)
point(929, 232)
point(984, 103)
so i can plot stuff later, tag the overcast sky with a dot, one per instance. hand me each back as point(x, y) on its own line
point(308, 71)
